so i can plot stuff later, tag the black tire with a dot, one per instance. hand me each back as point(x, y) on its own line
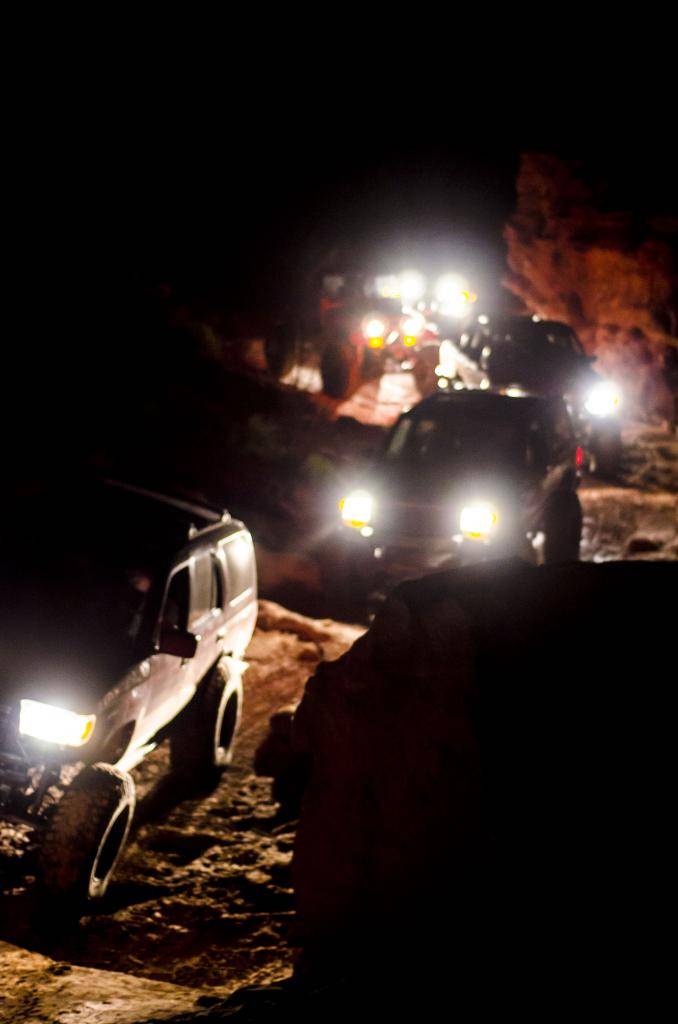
point(606, 455)
point(86, 835)
point(562, 528)
point(201, 744)
point(335, 369)
point(281, 350)
point(372, 365)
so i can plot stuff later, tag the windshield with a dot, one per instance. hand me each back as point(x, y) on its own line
point(542, 333)
point(426, 442)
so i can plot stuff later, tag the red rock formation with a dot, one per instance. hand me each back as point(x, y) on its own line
point(570, 261)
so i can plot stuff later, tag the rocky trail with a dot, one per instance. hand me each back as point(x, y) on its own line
point(201, 903)
point(202, 899)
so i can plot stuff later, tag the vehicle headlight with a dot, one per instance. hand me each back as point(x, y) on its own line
point(449, 286)
point(374, 328)
point(603, 399)
point(413, 325)
point(412, 286)
point(357, 509)
point(54, 724)
point(454, 295)
point(478, 520)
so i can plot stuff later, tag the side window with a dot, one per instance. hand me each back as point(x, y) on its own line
point(240, 567)
point(177, 601)
point(202, 585)
point(218, 595)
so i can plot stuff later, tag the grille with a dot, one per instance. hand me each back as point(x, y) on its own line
point(408, 519)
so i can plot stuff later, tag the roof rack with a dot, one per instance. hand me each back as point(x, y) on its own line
point(210, 513)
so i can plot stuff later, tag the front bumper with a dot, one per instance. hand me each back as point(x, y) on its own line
point(27, 771)
point(14, 766)
point(381, 562)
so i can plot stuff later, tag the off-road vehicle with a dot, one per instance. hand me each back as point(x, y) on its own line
point(125, 616)
point(366, 323)
point(542, 357)
point(464, 476)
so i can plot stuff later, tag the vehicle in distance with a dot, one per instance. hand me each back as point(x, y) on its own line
point(542, 357)
point(464, 476)
point(367, 323)
point(125, 616)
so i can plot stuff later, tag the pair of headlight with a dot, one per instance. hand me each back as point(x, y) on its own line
point(477, 520)
point(54, 724)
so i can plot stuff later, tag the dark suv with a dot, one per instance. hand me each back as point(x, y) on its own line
point(125, 615)
point(463, 476)
point(542, 357)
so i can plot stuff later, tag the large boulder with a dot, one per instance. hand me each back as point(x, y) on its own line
point(495, 756)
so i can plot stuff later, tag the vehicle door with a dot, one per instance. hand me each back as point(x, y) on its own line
point(171, 680)
point(562, 446)
point(466, 368)
point(538, 477)
point(476, 371)
point(207, 609)
point(237, 553)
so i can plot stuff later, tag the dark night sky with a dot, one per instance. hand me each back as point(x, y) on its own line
point(225, 185)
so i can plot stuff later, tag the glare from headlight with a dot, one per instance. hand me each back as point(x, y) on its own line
point(54, 724)
point(454, 295)
point(603, 399)
point(413, 326)
point(447, 366)
point(478, 520)
point(412, 286)
point(357, 509)
point(388, 286)
point(374, 328)
point(449, 286)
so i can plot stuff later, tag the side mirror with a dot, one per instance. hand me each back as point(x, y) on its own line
point(178, 642)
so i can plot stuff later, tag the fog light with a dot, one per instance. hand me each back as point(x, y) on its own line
point(54, 724)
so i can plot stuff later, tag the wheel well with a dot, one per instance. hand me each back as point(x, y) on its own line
point(229, 720)
point(116, 745)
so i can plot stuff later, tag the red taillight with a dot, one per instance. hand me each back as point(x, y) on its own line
point(579, 456)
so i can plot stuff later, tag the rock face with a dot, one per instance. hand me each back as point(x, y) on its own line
point(491, 758)
point(603, 273)
point(37, 990)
